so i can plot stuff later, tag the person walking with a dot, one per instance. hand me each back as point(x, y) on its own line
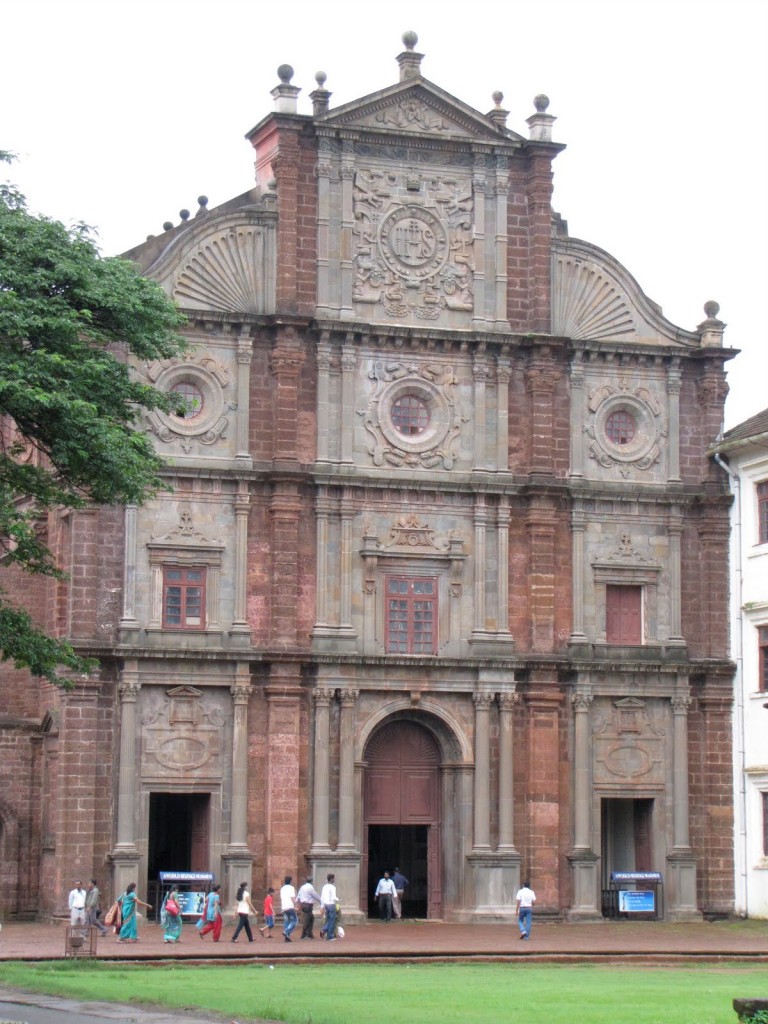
point(170, 917)
point(385, 891)
point(129, 904)
point(307, 897)
point(211, 920)
point(243, 907)
point(93, 907)
point(329, 899)
point(524, 901)
point(288, 904)
point(269, 913)
point(401, 884)
point(76, 903)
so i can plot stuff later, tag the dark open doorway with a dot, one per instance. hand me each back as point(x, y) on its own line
point(179, 826)
point(626, 836)
point(406, 847)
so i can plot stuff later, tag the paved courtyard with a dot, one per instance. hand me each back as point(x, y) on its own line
point(626, 940)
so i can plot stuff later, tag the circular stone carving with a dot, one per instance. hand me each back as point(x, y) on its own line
point(202, 380)
point(439, 415)
point(413, 243)
point(645, 435)
point(628, 762)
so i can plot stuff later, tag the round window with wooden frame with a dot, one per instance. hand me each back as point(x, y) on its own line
point(410, 415)
point(621, 427)
point(190, 400)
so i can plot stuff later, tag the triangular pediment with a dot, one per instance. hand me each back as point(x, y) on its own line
point(418, 107)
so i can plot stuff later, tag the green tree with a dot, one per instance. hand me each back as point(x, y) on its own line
point(69, 322)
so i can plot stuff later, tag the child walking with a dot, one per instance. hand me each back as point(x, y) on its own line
point(269, 914)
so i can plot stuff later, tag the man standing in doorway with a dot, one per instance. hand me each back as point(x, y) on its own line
point(77, 905)
point(307, 898)
point(93, 907)
point(525, 899)
point(288, 907)
point(401, 884)
point(385, 891)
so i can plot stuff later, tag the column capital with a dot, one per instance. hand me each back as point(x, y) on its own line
point(508, 700)
point(241, 691)
point(348, 698)
point(581, 701)
point(129, 690)
point(323, 697)
point(483, 701)
point(680, 703)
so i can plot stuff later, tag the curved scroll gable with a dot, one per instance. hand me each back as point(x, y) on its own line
point(224, 266)
point(595, 298)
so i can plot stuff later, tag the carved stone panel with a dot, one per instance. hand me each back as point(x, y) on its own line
point(182, 734)
point(626, 429)
point(413, 245)
point(628, 744)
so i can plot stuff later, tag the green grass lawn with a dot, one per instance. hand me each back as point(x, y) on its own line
point(399, 994)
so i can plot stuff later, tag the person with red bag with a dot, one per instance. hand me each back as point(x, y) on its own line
point(170, 917)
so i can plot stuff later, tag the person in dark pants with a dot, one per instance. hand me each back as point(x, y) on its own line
point(307, 897)
point(401, 884)
point(385, 892)
point(243, 907)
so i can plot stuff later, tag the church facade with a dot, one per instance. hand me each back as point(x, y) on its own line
point(441, 581)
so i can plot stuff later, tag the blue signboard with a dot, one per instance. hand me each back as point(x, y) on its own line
point(637, 901)
point(191, 903)
point(186, 876)
point(635, 876)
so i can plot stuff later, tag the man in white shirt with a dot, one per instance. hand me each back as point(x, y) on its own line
point(385, 893)
point(288, 907)
point(77, 905)
point(329, 899)
point(307, 897)
point(524, 900)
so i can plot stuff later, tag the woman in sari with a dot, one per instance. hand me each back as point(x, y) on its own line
point(171, 922)
point(211, 920)
point(129, 902)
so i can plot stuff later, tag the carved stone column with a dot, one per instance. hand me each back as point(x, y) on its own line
point(681, 863)
point(125, 855)
point(482, 796)
point(673, 401)
point(323, 399)
point(345, 567)
point(577, 415)
point(585, 881)
point(322, 754)
point(479, 185)
point(675, 532)
point(503, 375)
point(240, 623)
point(481, 523)
point(242, 416)
point(501, 190)
point(347, 770)
point(507, 702)
point(322, 512)
point(324, 170)
point(578, 528)
point(238, 856)
point(503, 517)
point(348, 362)
point(129, 622)
point(479, 376)
point(346, 247)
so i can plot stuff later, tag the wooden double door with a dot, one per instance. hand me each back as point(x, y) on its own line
point(402, 816)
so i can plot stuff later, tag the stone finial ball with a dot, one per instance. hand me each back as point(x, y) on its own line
point(285, 73)
point(184, 214)
point(409, 40)
point(167, 225)
point(202, 200)
point(321, 78)
point(711, 308)
point(497, 97)
point(541, 102)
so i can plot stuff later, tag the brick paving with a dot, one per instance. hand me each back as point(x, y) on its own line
point(621, 940)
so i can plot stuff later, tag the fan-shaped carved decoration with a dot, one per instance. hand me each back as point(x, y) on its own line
point(224, 273)
point(588, 304)
point(400, 742)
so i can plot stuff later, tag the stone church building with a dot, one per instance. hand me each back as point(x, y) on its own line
point(441, 581)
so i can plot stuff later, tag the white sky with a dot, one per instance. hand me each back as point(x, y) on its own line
point(122, 112)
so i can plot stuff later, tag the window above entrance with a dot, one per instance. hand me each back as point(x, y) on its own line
point(411, 624)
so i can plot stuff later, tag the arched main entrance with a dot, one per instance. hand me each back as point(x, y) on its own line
point(402, 815)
